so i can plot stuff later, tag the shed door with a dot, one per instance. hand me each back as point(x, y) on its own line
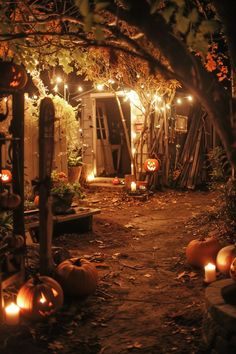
point(104, 159)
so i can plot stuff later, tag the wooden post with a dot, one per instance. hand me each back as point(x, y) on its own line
point(17, 130)
point(46, 148)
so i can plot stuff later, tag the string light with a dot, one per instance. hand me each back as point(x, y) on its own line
point(134, 135)
point(80, 88)
point(190, 98)
point(100, 87)
point(58, 79)
point(179, 101)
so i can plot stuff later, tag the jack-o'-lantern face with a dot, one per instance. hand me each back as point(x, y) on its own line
point(151, 165)
point(40, 297)
point(12, 76)
point(6, 176)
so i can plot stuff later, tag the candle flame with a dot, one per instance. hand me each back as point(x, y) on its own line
point(210, 266)
point(12, 308)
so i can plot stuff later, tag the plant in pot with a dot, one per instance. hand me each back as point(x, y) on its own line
point(63, 192)
point(74, 163)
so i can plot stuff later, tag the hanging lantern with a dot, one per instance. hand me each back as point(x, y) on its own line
point(151, 165)
point(6, 176)
point(181, 124)
point(12, 76)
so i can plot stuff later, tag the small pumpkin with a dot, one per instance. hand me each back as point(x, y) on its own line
point(6, 176)
point(39, 297)
point(9, 200)
point(151, 165)
point(16, 241)
point(116, 181)
point(36, 200)
point(200, 252)
point(225, 257)
point(232, 269)
point(77, 276)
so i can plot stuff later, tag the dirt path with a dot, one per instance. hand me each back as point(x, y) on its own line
point(148, 300)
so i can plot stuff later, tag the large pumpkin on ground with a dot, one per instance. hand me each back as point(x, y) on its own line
point(200, 252)
point(225, 258)
point(40, 297)
point(77, 276)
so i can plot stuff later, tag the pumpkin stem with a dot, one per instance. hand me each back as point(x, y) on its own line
point(36, 279)
point(77, 262)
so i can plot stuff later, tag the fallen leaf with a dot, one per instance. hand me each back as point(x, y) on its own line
point(56, 345)
point(136, 345)
point(180, 275)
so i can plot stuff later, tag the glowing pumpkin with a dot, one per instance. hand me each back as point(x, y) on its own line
point(225, 257)
point(40, 297)
point(151, 165)
point(12, 76)
point(200, 252)
point(77, 276)
point(6, 176)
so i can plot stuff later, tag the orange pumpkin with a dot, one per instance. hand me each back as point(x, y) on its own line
point(77, 276)
point(12, 76)
point(36, 200)
point(200, 252)
point(232, 269)
point(225, 257)
point(40, 297)
point(9, 200)
point(151, 165)
point(115, 181)
point(6, 176)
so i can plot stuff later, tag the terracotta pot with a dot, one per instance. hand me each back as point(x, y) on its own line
point(74, 173)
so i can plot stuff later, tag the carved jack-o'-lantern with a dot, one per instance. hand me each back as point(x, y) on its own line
point(12, 76)
point(40, 297)
point(6, 176)
point(151, 165)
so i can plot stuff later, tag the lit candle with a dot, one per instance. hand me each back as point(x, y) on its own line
point(133, 186)
point(210, 273)
point(12, 312)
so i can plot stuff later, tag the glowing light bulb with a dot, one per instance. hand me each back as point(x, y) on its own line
point(100, 87)
point(90, 177)
point(190, 98)
point(80, 88)
point(179, 101)
point(58, 79)
point(66, 86)
point(134, 135)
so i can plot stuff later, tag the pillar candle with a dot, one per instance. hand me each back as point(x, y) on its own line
point(12, 313)
point(210, 273)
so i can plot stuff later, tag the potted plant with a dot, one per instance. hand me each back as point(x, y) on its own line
point(63, 192)
point(74, 164)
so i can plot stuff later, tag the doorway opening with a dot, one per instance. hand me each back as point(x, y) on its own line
point(112, 156)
